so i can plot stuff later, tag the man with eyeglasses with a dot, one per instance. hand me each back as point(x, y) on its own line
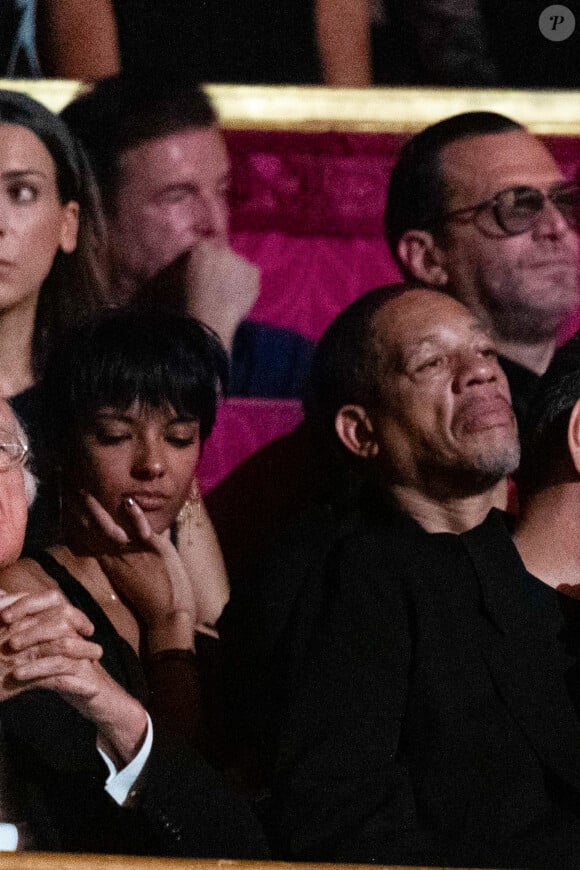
point(478, 207)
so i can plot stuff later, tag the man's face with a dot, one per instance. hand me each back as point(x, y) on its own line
point(523, 285)
point(173, 191)
point(447, 419)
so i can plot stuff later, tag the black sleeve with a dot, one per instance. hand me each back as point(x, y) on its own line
point(276, 601)
point(193, 813)
point(342, 789)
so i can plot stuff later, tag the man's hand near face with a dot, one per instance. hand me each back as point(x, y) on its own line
point(210, 282)
point(222, 288)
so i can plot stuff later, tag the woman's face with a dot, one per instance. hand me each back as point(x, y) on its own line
point(147, 453)
point(34, 224)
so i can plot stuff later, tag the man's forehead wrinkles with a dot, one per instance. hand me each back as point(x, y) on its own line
point(444, 329)
point(416, 344)
point(479, 328)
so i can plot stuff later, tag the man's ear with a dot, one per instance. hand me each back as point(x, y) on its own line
point(574, 437)
point(355, 430)
point(422, 258)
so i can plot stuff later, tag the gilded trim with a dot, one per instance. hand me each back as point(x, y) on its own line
point(374, 110)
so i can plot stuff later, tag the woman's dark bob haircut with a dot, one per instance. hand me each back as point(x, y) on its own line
point(152, 356)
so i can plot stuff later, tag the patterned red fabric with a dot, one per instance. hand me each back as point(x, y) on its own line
point(308, 209)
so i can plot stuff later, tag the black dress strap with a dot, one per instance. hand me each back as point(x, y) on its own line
point(119, 657)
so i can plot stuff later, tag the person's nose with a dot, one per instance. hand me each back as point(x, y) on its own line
point(550, 222)
point(149, 460)
point(4, 216)
point(474, 368)
point(214, 217)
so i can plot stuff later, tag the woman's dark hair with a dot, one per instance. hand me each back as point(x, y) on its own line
point(153, 356)
point(77, 283)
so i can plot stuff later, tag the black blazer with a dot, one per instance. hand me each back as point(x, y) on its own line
point(267, 625)
point(431, 723)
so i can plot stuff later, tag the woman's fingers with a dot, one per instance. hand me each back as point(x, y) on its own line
point(104, 522)
point(143, 531)
point(106, 526)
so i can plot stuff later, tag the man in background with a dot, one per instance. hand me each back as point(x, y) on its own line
point(478, 207)
point(164, 173)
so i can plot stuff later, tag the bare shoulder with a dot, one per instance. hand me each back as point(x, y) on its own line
point(26, 575)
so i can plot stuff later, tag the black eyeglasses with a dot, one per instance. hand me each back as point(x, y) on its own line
point(516, 209)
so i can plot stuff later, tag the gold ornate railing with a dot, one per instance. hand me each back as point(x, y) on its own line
point(43, 861)
point(373, 110)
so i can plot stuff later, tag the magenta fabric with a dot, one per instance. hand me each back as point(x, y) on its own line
point(242, 427)
point(308, 209)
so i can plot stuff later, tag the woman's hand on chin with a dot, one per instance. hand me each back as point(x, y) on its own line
point(147, 572)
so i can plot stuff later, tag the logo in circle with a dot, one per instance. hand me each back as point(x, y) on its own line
point(557, 23)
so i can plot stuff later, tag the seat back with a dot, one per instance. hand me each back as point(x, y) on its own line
point(242, 427)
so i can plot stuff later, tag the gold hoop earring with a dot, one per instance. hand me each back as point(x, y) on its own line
point(190, 513)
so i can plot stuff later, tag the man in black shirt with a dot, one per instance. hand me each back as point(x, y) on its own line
point(407, 395)
point(435, 719)
point(164, 174)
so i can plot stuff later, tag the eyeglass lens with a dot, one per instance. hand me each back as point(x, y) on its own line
point(12, 451)
point(516, 209)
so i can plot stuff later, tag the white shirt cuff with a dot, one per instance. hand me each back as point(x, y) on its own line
point(8, 837)
point(122, 784)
